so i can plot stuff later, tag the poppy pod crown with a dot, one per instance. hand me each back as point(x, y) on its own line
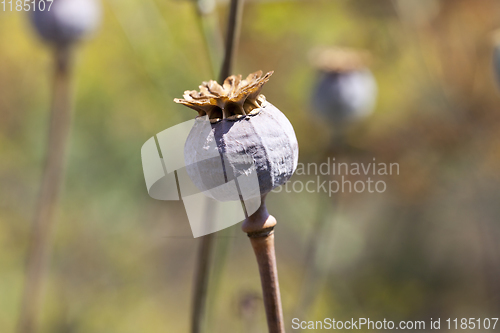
point(234, 99)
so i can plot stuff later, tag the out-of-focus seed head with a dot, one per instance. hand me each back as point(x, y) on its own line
point(237, 133)
point(346, 89)
point(417, 13)
point(67, 21)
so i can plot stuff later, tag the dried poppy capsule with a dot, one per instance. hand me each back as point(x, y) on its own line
point(238, 131)
point(346, 89)
point(67, 21)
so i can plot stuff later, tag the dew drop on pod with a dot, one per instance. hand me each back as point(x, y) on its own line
point(67, 21)
point(237, 132)
point(346, 89)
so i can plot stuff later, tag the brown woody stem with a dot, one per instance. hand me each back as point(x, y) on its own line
point(260, 229)
point(39, 248)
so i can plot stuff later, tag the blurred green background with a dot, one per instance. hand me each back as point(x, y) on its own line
point(123, 262)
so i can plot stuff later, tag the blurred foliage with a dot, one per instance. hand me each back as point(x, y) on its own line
point(123, 262)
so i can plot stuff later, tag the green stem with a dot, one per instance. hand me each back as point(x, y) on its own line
point(53, 176)
point(212, 36)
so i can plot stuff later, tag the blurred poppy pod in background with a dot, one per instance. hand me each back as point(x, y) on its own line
point(496, 56)
point(345, 90)
point(67, 21)
point(237, 123)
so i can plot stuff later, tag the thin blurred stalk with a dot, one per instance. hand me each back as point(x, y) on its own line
point(314, 275)
point(53, 176)
point(202, 275)
point(146, 30)
point(321, 234)
point(208, 241)
point(209, 28)
point(232, 38)
point(415, 35)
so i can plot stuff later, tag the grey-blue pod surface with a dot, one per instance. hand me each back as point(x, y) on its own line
point(67, 21)
point(343, 97)
point(252, 136)
point(345, 90)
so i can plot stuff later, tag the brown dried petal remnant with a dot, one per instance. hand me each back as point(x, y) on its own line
point(339, 60)
point(234, 99)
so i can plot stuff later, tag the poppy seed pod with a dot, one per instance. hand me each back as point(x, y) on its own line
point(346, 89)
point(237, 132)
point(67, 21)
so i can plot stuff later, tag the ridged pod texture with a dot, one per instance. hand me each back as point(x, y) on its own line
point(67, 21)
point(344, 97)
point(217, 153)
